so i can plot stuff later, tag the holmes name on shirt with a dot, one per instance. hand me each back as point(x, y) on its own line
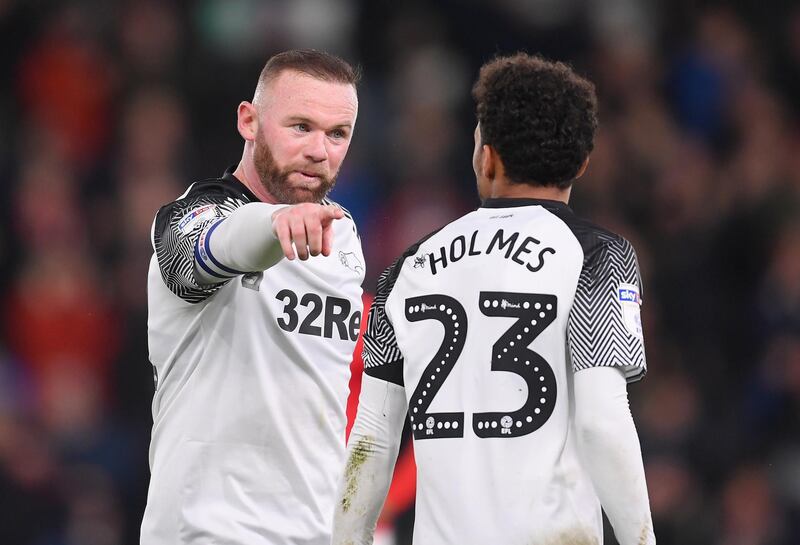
point(522, 251)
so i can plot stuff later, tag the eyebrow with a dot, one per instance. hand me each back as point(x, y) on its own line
point(301, 119)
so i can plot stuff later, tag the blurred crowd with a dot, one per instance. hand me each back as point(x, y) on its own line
point(109, 109)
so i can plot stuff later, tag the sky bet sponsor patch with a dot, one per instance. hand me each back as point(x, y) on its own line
point(197, 215)
point(628, 293)
point(631, 302)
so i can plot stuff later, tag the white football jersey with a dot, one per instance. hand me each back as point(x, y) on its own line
point(251, 383)
point(485, 323)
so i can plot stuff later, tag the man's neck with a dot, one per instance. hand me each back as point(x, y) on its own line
point(503, 189)
point(249, 177)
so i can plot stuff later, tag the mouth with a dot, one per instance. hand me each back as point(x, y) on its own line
point(309, 175)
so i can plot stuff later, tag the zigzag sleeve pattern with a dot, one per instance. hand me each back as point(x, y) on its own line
point(178, 227)
point(381, 354)
point(596, 331)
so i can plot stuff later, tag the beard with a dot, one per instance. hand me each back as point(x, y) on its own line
point(276, 181)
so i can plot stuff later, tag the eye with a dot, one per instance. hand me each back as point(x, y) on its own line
point(338, 134)
point(302, 127)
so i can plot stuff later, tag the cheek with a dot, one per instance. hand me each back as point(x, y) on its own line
point(283, 149)
point(336, 155)
point(283, 154)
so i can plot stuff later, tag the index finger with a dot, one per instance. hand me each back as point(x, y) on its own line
point(330, 213)
point(327, 239)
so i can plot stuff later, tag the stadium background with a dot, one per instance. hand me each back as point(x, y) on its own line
point(108, 109)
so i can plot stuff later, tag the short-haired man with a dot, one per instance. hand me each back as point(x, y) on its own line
point(507, 339)
point(251, 346)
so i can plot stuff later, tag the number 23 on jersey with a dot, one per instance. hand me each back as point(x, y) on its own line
point(510, 353)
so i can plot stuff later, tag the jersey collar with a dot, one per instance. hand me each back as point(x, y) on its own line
point(512, 202)
point(229, 179)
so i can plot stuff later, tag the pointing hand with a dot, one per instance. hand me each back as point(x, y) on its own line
point(309, 226)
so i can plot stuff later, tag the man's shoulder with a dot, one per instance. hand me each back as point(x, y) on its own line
point(606, 254)
point(212, 190)
point(595, 239)
point(207, 198)
point(392, 272)
point(389, 276)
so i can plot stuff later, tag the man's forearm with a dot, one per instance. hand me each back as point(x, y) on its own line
point(371, 455)
point(610, 451)
point(241, 243)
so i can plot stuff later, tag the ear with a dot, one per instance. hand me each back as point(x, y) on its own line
point(583, 168)
point(488, 158)
point(247, 120)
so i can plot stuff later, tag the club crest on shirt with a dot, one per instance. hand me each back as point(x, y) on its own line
point(349, 260)
point(628, 296)
point(419, 262)
point(197, 215)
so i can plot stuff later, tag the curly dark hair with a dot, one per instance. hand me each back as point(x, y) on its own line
point(540, 117)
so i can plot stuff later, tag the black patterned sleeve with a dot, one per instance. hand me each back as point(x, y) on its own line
point(176, 230)
point(382, 356)
point(604, 326)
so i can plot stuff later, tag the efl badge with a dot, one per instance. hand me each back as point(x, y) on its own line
point(631, 303)
point(197, 215)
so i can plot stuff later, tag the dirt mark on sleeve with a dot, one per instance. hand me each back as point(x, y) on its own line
point(358, 455)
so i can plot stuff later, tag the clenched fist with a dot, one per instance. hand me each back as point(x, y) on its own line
point(308, 225)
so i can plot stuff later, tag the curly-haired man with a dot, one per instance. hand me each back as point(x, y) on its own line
point(510, 350)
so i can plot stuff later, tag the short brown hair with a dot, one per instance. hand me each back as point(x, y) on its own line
point(540, 117)
point(317, 64)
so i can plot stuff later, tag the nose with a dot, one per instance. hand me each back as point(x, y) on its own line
point(315, 150)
